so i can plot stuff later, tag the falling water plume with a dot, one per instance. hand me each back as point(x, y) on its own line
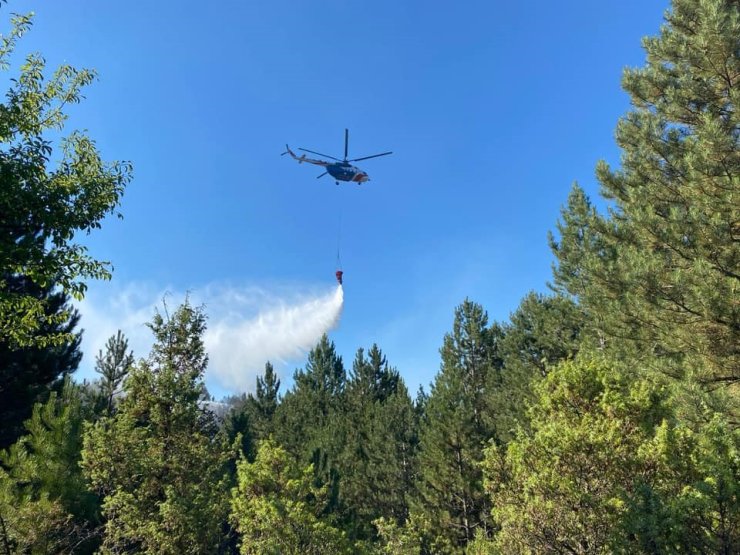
point(280, 333)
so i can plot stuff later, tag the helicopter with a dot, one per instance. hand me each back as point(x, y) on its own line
point(341, 170)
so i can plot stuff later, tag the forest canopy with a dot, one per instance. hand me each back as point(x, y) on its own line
point(601, 417)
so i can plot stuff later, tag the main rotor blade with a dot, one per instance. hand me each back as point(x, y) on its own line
point(368, 157)
point(314, 152)
point(346, 142)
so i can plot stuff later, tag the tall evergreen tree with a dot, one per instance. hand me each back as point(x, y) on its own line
point(251, 415)
point(659, 273)
point(264, 403)
point(371, 378)
point(456, 429)
point(45, 506)
point(28, 374)
point(541, 332)
point(113, 367)
point(308, 418)
point(238, 427)
point(267, 390)
point(159, 461)
point(377, 463)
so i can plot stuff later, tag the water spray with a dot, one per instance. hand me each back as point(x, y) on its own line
point(280, 333)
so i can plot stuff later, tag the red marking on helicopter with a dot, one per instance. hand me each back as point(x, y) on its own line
point(340, 170)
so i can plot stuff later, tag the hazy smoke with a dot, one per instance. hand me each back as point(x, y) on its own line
point(279, 333)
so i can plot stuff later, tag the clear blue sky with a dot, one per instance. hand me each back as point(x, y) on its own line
point(493, 109)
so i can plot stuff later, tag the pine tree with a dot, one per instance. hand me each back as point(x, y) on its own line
point(264, 403)
point(113, 367)
point(377, 464)
point(45, 506)
point(275, 508)
point(541, 332)
point(659, 273)
point(28, 374)
point(238, 427)
point(251, 415)
point(606, 468)
point(308, 418)
point(371, 377)
point(456, 428)
point(159, 461)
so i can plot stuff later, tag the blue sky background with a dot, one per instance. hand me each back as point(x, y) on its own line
point(493, 109)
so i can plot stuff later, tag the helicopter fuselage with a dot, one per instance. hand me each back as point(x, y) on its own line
point(340, 170)
point(344, 171)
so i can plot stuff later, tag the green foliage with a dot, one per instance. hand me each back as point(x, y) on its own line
point(42, 208)
point(276, 508)
point(27, 374)
point(395, 539)
point(559, 489)
point(693, 505)
point(371, 378)
point(566, 429)
point(606, 469)
point(238, 428)
point(456, 428)
point(541, 332)
point(481, 545)
point(658, 274)
point(251, 418)
point(45, 506)
point(308, 420)
point(159, 461)
point(262, 405)
point(408, 539)
point(417, 536)
point(377, 464)
point(266, 398)
point(113, 367)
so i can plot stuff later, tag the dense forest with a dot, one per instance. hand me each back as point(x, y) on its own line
point(601, 417)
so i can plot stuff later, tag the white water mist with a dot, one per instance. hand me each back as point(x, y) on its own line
point(280, 333)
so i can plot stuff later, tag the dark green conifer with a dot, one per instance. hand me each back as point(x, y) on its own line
point(29, 373)
point(659, 273)
point(541, 332)
point(265, 402)
point(159, 461)
point(377, 464)
point(251, 415)
point(45, 506)
point(113, 367)
point(308, 420)
point(456, 428)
